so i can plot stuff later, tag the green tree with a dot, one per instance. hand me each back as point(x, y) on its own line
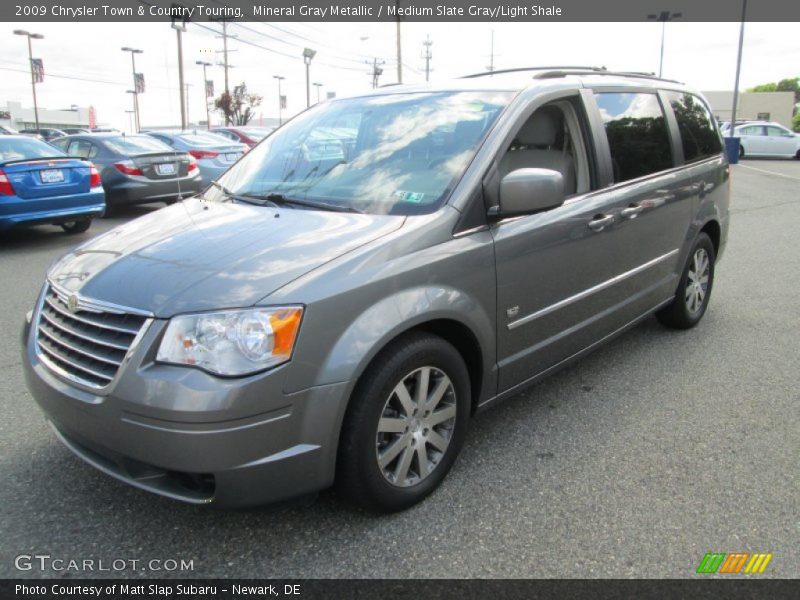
point(790, 84)
point(796, 122)
point(239, 106)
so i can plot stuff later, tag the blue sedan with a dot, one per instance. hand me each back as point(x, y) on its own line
point(40, 184)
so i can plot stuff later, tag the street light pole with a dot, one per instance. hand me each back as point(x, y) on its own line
point(663, 17)
point(205, 91)
point(134, 52)
point(738, 70)
point(308, 54)
point(280, 99)
point(179, 32)
point(30, 36)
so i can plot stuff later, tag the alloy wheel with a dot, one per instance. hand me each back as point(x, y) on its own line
point(697, 281)
point(416, 426)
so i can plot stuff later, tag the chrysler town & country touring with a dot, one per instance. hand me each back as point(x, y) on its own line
point(341, 302)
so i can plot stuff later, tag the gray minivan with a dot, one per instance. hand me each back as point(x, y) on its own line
point(345, 298)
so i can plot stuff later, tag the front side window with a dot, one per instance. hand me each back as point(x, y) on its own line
point(387, 154)
point(699, 137)
point(637, 133)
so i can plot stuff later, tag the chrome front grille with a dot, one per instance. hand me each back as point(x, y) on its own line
point(85, 340)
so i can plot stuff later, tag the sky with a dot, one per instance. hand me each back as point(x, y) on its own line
point(96, 72)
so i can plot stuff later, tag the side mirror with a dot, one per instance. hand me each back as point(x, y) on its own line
point(527, 191)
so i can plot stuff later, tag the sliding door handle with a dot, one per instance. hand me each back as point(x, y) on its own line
point(631, 211)
point(600, 222)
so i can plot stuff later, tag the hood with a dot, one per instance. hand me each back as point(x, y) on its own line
point(199, 255)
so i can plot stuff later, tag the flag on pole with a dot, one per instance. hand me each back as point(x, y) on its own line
point(209, 88)
point(38, 70)
point(283, 102)
point(92, 117)
point(138, 79)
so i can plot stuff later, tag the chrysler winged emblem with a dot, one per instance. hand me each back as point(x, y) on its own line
point(72, 303)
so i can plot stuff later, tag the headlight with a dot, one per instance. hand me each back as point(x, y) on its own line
point(233, 342)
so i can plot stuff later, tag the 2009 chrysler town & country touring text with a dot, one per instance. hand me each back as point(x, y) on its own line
point(340, 303)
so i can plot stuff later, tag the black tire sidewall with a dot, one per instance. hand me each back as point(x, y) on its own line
point(78, 226)
point(400, 359)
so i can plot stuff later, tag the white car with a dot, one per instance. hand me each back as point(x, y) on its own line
point(764, 138)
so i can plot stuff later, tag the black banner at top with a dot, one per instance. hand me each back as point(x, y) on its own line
point(407, 10)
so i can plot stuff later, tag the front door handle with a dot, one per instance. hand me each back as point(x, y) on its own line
point(631, 211)
point(600, 222)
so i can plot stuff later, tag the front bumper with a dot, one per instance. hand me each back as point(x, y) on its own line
point(190, 436)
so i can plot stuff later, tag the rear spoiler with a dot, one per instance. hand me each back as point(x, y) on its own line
point(43, 159)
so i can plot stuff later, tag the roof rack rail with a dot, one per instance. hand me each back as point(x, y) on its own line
point(523, 69)
point(563, 73)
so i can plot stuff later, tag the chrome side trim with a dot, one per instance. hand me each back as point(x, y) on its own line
point(592, 290)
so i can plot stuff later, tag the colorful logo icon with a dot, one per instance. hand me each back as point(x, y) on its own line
point(734, 563)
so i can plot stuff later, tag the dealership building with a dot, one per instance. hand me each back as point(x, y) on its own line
point(15, 115)
point(755, 106)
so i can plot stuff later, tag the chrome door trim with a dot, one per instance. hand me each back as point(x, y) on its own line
point(592, 290)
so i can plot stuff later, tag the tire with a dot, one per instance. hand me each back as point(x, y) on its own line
point(78, 226)
point(691, 298)
point(741, 151)
point(402, 480)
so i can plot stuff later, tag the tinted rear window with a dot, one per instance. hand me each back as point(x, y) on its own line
point(699, 137)
point(637, 134)
point(204, 139)
point(136, 144)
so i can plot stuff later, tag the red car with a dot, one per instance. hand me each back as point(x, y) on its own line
point(245, 135)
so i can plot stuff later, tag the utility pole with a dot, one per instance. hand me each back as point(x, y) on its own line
point(491, 54)
point(136, 117)
point(225, 64)
point(308, 54)
point(280, 99)
point(318, 86)
point(377, 71)
point(32, 36)
point(399, 46)
point(427, 56)
point(186, 95)
point(738, 70)
point(663, 17)
point(205, 90)
point(179, 29)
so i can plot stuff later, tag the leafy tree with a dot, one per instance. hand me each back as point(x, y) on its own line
point(790, 84)
point(796, 122)
point(239, 106)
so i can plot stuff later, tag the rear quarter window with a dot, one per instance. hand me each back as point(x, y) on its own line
point(699, 136)
point(637, 133)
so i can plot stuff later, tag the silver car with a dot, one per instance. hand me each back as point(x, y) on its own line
point(214, 154)
point(343, 301)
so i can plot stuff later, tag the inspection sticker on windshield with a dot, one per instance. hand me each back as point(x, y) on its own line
point(412, 197)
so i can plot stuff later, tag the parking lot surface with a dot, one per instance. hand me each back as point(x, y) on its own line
point(634, 462)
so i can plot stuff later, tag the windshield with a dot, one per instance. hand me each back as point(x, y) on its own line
point(23, 148)
point(136, 144)
point(390, 154)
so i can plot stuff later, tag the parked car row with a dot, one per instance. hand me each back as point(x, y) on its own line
point(153, 166)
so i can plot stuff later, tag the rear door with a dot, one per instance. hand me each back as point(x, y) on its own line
point(781, 141)
point(655, 192)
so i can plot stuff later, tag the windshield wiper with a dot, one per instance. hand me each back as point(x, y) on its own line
point(246, 198)
point(275, 197)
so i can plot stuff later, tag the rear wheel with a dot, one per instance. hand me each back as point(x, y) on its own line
point(77, 226)
point(694, 291)
point(741, 151)
point(405, 425)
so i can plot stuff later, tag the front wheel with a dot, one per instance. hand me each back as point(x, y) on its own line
point(77, 226)
point(405, 425)
point(694, 290)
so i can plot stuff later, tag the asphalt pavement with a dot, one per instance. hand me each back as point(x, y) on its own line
point(634, 462)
